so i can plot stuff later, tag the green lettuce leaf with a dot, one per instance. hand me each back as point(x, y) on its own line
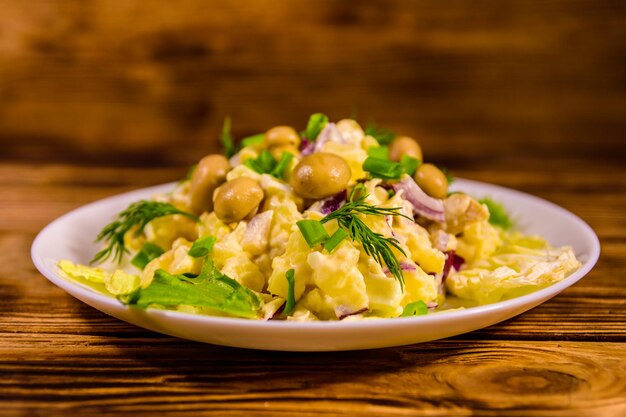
point(210, 289)
point(523, 264)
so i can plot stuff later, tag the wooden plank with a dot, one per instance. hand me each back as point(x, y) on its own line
point(122, 82)
point(453, 377)
point(59, 356)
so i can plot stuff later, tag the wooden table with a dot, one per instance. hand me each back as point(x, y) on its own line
point(60, 357)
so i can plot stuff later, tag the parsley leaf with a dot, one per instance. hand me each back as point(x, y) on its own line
point(498, 215)
point(383, 136)
point(266, 164)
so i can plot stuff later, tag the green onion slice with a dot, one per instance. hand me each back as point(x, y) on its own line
point(253, 165)
point(149, 252)
point(252, 140)
point(380, 152)
point(291, 291)
point(382, 168)
point(202, 247)
point(281, 166)
point(313, 231)
point(314, 127)
point(335, 240)
point(266, 161)
point(417, 308)
point(409, 164)
point(226, 138)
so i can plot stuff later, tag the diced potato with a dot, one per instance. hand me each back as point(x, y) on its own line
point(479, 240)
point(228, 247)
point(418, 241)
point(244, 271)
point(338, 276)
point(295, 257)
point(163, 231)
point(286, 215)
point(418, 285)
point(319, 304)
point(211, 225)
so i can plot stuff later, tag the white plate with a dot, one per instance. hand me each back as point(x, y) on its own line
point(71, 237)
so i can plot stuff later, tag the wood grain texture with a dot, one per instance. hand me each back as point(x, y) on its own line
point(59, 356)
point(118, 81)
point(445, 378)
point(102, 97)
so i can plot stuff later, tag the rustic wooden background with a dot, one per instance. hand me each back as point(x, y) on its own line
point(103, 96)
point(108, 81)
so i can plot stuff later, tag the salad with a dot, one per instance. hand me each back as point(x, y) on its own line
point(331, 223)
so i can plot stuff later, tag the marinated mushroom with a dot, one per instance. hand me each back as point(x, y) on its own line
point(404, 145)
point(432, 181)
point(237, 199)
point(208, 175)
point(281, 136)
point(320, 175)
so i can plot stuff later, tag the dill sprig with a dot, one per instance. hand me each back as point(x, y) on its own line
point(138, 215)
point(375, 244)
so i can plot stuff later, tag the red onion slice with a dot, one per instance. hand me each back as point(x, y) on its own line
point(423, 205)
point(330, 133)
point(306, 147)
point(332, 203)
point(457, 262)
point(404, 266)
point(453, 261)
point(342, 312)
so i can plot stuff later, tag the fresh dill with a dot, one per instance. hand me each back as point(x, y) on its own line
point(137, 215)
point(375, 244)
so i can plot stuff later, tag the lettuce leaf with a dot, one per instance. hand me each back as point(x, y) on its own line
point(116, 283)
point(210, 289)
point(498, 216)
point(520, 266)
